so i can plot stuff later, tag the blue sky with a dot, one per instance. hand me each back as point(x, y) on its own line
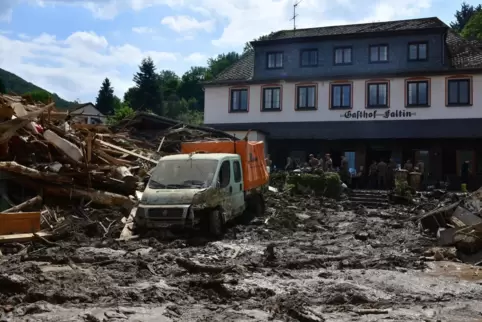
point(70, 46)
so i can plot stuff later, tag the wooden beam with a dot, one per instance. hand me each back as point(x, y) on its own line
point(115, 147)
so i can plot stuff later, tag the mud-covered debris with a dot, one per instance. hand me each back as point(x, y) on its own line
point(13, 283)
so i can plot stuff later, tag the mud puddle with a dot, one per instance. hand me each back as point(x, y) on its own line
point(307, 260)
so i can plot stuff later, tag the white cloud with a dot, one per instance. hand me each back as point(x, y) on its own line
point(143, 30)
point(87, 40)
point(75, 67)
point(182, 24)
point(196, 58)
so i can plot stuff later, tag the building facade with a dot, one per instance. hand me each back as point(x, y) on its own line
point(402, 89)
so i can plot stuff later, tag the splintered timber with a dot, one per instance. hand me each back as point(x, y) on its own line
point(377, 114)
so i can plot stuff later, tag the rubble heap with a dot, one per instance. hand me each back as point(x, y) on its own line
point(47, 153)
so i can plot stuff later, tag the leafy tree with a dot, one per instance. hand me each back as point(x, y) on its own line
point(105, 101)
point(121, 112)
point(191, 85)
point(463, 16)
point(248, 47)
point(3, 89)
point(39, 96)
point(220, 63)
point(130, 95)
point(169, 83)
point(473, 28)
point(148, 92)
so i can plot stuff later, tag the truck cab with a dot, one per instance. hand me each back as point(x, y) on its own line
point(195, 190)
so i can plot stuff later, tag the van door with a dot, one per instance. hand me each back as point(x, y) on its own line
point(225, 179)
point(238, 188)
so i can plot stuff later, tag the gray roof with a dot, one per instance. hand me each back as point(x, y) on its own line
point(386, 26)
point(463, 54)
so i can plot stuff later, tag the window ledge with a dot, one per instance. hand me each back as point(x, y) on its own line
point(379, 62)
point(305, 109)
point(459, 105)
point(416, 60)
point(270, 110)
point(373, 107)
point(304, 66)
point(343, 64)
point(341, 108)
point(417, 106)
point(238, 111)
point(274, 67)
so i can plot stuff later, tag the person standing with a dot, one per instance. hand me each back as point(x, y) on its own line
point(314, 163)
point(290, 164)
point(464, 175)
point(328, 163)
point(391, 168)
point(372, 175)
point(408, 166)
point(421, 169)
point(382, 175)
point(345, 171)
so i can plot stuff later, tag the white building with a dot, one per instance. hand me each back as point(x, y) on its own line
point(402, 89)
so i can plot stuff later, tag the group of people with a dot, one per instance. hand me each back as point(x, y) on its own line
point(381, 175)
point(325, 163)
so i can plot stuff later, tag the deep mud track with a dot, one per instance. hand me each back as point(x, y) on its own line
point(304, 261)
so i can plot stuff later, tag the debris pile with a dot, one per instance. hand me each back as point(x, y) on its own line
point(459, 224)
point(46, 153)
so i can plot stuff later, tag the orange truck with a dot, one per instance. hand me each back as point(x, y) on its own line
point(209, 184)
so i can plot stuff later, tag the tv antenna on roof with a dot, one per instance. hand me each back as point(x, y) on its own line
point(294, 13)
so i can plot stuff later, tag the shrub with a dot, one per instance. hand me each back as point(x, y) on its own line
point(324, 184)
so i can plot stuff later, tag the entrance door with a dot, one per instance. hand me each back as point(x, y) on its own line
point(237, 197)
point(375, 154)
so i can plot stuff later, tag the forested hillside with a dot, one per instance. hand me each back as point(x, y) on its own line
point(18, 85)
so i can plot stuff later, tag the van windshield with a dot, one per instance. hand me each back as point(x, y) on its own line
point(181, 174)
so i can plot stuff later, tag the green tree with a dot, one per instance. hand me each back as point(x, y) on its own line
point(105, 101)
point(463, 16)
point(121, 112)
point(148, 91)
point(248, 47)
point(220, 63)
point(169, 83)
point(473, 28)
point(3, 89)
point(192, 87)
point(39, 96)
point(130, 95)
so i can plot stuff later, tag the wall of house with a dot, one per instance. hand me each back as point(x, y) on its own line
point(217, 110)
point(397, 57)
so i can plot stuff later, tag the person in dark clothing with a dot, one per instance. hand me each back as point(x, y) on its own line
point(382, 175)
point(314, 162)
point(464, 175)
point(290, 164)
point(391, 168)
point(372, 175)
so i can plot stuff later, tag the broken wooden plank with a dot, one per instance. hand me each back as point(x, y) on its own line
point(19, 238)
point(125, 151)
point(24, 205)
point(14, 167)
point(19, 223)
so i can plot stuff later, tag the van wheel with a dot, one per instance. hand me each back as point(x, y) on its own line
point(216, 224)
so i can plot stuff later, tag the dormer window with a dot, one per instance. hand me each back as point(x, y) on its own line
point(275, 60)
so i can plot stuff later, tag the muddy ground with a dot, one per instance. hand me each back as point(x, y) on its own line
point(307, 260)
